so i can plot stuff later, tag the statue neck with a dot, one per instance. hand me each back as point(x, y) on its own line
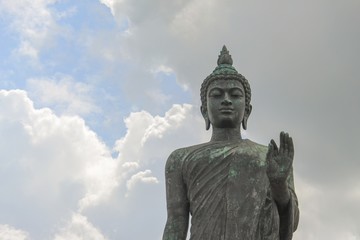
point(226, 134)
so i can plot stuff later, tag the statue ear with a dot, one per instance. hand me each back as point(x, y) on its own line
point(246, 116)
point(206, 117)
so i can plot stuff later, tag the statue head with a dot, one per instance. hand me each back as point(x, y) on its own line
point(226, 74)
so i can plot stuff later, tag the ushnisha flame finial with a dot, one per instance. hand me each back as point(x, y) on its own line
point(224, 57)
point(224, 63)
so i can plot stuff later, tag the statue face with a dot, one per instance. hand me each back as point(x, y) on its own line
point(226, 103)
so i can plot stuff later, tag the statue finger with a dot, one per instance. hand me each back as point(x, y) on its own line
point(276, 150)
point(286, 143)
point(291, 148)
point(290, 154)
point(270, 152)
point(282, 142)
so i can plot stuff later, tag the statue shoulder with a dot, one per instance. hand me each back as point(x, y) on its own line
point(177, 157)
point(257, 148)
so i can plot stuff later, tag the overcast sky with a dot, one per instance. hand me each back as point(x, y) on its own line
point(94, 96)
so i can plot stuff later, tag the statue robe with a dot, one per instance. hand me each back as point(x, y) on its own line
point(227, 191)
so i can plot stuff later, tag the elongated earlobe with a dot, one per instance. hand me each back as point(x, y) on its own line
point(206, 118)
point(246, 116)
point(244, 122)
point(207, 123)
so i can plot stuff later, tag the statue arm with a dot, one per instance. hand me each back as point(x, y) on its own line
point(176, 198)
point(280, 173)
point(289, 215)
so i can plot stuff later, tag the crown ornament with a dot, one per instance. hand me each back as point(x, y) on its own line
point(224, 63)
point(224, 57)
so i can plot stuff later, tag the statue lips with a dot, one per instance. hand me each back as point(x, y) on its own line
point(226, 110)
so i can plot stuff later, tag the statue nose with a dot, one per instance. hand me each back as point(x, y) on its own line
point(226, 101)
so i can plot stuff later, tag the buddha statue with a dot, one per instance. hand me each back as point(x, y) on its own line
point(233, 188)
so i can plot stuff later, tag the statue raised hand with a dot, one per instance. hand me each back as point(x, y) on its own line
point(279, 162)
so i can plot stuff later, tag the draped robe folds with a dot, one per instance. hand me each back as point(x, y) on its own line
point(227, 191)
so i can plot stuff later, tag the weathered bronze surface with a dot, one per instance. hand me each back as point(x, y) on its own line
point(234, 189)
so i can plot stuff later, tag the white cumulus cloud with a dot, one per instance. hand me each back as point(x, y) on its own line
point(49, 161)
point(66, 173)
point(79, 228)
point(142, 176)
point(63, 94)
point(10, 233)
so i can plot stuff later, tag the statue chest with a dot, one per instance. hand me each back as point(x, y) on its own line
point(231, 163)
point(228, 183)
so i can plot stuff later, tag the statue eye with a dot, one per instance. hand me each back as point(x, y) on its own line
point(236, 93)
point(215, 93)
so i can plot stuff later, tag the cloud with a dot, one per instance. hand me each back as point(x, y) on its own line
point(270, 43)
point(63, 94)
point(110, 4)
point(35, 22)
point(144, 130)
point(49, 161)
point(9, 233)
point(142, 176)
point(79, 229)
point(27, 49)
point(301, 60)
point(187, 21)
point(52, 160)
point(168, 27)
point(139, 149)
point(142, 155)
point(327, 214)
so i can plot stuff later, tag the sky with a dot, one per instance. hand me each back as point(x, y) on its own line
point(96, 94)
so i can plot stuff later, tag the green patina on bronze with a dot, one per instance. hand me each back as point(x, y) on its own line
point(232, 173)
point(233, 188)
